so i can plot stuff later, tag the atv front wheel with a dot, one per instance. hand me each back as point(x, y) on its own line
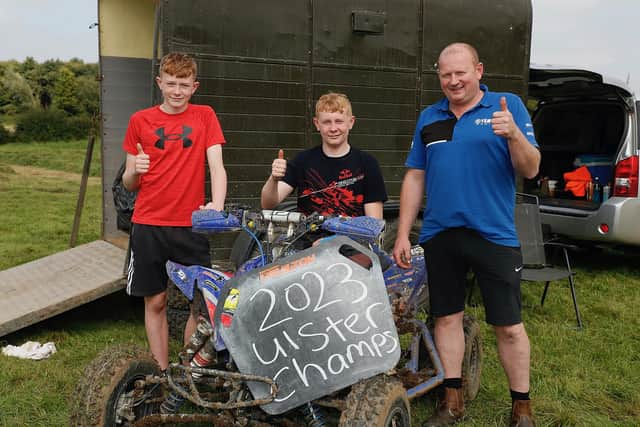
point(380, 401)
point(107, 395)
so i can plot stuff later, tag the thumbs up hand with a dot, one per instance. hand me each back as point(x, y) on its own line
point(279, 166)
point(502, 122)
point(142, 161)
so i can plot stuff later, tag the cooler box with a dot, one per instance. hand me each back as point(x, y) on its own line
point(599, 165)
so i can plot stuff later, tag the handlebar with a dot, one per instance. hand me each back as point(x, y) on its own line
point(284, 227)
point(235, 218)
point(276, 231)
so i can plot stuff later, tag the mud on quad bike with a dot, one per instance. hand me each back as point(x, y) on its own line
point(322, 336)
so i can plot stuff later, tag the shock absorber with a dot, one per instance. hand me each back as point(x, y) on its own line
point(172, 403)
point(203, 331)
point(313, 415)
point(204, 356)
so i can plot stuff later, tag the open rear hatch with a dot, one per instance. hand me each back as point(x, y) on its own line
point(580, 120)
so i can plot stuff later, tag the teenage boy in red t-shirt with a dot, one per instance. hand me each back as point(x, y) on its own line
point(166, 147)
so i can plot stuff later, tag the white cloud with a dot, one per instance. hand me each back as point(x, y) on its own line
point(47, 29)
point(595, 34)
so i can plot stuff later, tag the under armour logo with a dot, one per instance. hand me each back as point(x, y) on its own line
point(186, 142)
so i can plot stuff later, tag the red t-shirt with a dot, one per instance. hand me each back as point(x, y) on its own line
point(176, 144)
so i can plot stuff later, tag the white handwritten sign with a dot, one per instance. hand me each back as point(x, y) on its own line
point(315, 322)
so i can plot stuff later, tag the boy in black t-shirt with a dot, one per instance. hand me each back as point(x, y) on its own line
point(333, 178)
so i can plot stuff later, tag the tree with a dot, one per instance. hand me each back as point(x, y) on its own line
point(16, 95)
point(40, 77)
point(28, 69)
point(89, 94)
point(65, 92)
point(69, 88)
point(80, 69)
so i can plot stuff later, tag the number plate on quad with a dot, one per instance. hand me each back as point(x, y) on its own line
point(316, 322)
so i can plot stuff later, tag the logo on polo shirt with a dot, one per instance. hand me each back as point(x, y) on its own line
point(482, 122)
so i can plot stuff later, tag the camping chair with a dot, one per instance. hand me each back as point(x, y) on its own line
point(535, 266)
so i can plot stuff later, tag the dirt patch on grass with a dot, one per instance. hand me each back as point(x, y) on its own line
point(49, 173)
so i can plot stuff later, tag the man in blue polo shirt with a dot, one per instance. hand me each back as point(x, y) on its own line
point(466, 151)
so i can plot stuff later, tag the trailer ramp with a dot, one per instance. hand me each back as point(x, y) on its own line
point(48, 286)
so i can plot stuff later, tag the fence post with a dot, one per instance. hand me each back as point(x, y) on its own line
point(83, 191)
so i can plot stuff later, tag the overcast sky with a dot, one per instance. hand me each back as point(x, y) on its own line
point(598, 34)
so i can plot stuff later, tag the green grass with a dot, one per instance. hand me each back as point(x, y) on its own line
point(39, 205)
point(37, 393)
point(67, 156)
point(578, 378)
point(584, 378)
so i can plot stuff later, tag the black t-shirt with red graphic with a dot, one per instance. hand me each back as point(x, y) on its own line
point(335, 185)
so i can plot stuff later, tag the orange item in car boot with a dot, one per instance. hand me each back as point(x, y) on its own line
point(576, 181)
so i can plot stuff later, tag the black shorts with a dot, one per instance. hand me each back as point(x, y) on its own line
point(452, 253)
point(150, 249)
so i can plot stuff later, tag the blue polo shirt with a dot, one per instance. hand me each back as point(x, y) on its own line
point(469, 178)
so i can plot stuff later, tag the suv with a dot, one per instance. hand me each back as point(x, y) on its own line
point(587, 127)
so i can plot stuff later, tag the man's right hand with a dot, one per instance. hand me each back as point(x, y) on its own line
point(142, 161)
point(279, 166)
point(402, 252)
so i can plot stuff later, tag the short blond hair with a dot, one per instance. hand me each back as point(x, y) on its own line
point(333, 102)
point(179, 65)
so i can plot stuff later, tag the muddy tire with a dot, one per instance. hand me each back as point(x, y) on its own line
point(106, 379)
point(177, 312)
point(177, 320)
point(175, 298)
point(391, 233)
point(380, 401)
point(243, 249)
point(472, 361)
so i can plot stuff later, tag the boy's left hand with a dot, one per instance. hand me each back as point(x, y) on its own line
point(211, 205)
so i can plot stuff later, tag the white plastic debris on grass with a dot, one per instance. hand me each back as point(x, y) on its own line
point(30, 350)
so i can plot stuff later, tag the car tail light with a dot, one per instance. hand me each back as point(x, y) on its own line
point(626, 178)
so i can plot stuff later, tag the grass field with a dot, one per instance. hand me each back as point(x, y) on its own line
point(579, 378)
point(39, 186)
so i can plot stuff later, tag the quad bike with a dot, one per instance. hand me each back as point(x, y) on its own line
point(319, 336)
